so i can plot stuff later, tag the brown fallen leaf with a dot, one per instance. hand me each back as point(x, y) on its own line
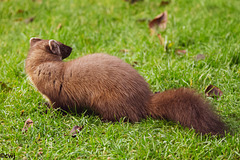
point(19, 19)
point(20, 11)
point(22, 112)
point(29, 20)
point(124, 50)
point(161, 39)
point(213, 91)
point(159, 21)
point(3, 86)
point(180, 52)
point(75, 130)
point(164, 3)
point(28, 123)
point(134, 64)
point(199, 57)
point(133, 1)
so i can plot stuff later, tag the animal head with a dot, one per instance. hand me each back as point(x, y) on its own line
point(51, 46)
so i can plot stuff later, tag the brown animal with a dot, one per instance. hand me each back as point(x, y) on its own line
point(112, 89)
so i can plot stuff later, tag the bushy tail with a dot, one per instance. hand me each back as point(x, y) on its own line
point(188, 108)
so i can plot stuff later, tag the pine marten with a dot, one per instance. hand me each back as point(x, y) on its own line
point(111, 88)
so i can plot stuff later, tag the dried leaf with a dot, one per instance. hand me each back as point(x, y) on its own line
point(134, 64)
point(180, 52)
point(29, 20)
point(213, 91)
point(3, 86)
point(164, 3)
point(133, 1)
point(161, 39)
point(158, 22)
point(22, 112)
point(20, 11)
point(199, 57)
point(124, 50)
point(76, 130)
point(28, 123)
point(19, 19)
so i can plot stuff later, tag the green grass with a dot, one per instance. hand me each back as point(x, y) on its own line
point(199, 27)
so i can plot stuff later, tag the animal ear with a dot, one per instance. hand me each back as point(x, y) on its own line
point(33, 40)
point(54, 47)
point(65, 50)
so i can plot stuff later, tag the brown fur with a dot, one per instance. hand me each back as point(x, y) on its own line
point(111, 88)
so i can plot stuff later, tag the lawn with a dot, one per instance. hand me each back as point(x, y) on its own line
point(120, 28)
